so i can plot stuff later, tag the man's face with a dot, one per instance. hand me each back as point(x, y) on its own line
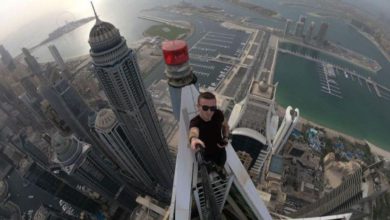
point(206, 108)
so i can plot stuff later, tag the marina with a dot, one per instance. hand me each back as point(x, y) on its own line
point(231, 44)
point(373, 87)
point(327, 80)
point(213, 56)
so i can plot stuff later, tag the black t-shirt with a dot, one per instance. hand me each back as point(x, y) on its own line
point(210, 132)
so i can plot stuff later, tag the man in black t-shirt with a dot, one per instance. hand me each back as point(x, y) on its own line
point(209, 129)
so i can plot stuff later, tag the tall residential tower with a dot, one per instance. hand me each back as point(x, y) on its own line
point(322, 33)
point(81, 161)
point(57, 56)
point(112, 134)
point(7, 59)
point(117, 70)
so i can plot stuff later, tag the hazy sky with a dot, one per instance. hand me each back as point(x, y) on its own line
point(15, 14)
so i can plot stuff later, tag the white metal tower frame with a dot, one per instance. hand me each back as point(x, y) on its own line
point(181, 202)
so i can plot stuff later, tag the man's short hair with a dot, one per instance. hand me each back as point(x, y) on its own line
point(206, 95)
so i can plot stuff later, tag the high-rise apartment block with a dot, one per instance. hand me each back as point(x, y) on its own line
point(322, 33)
point(57, 56)
point(69, 107)
point(7, 59)
point(352, 190)
point(289, 122)
point(287, 28)
point(117, 70)
point(33, 64)
point(302, 19)
point(310, 32)
point(65, 73)
point(79, 160)
point(112, 134)
point(255, 136)
point(299, 29)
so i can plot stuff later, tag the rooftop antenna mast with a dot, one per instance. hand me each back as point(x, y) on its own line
point(94, 11)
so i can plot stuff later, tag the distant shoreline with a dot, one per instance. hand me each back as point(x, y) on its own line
point(59, 32)
point(335, 55)
point(373, 41)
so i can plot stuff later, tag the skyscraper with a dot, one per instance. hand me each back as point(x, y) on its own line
point(57, 56)
point(7, 59)
point(254, 145)
point(287, 28)
point(299, 29)
point(79, 160)
point(112, 134)
point(69, 106)
point(303, 20)
point(53, 117)
point(356, 188)
point(322, 33)
point(33, 64)
point(255, 136)
point(32, 145)
point(117, 70)
point(14, 107)
point(310, 32)
point(32, 100)
point(30, 88)
point(70, 111)
point(34, 110)
point(60, 62)
point(290, 120)
point(54, 185)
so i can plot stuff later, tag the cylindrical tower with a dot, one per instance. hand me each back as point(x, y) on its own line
point(79, 160)
point(111, 133)
point(118, 72)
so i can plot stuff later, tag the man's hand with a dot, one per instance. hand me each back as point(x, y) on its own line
point(223, 143)
point(195, 141)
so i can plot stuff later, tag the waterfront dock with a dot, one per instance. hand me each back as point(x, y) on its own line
point(329, 85)
point(165, 21)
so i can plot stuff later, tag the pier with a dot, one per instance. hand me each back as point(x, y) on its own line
point(329, 85)
point(163, 21)
point(374, 87)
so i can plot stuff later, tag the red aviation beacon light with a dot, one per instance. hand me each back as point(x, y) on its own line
point(175, 52)
point(178, 71)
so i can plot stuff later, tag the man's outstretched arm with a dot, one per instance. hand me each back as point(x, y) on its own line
point(194, 138)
